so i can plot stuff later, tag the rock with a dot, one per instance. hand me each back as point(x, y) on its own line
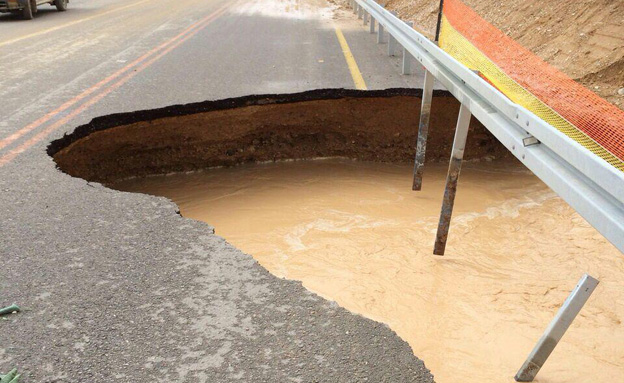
point(621, 91)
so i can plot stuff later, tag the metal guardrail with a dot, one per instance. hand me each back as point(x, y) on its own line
point(587, 183)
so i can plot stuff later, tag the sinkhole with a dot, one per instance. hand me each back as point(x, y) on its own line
point(343, 219)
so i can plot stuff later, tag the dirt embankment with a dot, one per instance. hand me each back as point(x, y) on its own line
point(372, 125)
point(583, 38)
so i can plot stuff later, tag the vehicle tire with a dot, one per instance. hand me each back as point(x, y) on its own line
point(28, 12)
point(61, 5)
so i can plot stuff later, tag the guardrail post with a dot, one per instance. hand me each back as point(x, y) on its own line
point(407, 57)
point(459, 143)
point(555, 330)
point(371, 29)
point(360, 12)
point(355, 7)
point(365, 18)
point(391, 42)
point(380, 33)
point(423, 130)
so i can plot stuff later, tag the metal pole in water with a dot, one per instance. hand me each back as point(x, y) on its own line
point(459, 144)
point(555, 330)
point(407, 57)
point(423, 130)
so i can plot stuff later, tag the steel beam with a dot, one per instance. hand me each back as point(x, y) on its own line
point(594, 188)
point(391, 42)
point(423, 130)
point(555, 330)
point(457, 155)
point(406, 69)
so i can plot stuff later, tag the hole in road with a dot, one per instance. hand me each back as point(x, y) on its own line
point(345, 222)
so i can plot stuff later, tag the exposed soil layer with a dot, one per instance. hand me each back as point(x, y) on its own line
point(367, 125)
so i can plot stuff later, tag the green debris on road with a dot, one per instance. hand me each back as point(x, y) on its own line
point(11, 377)
point(9, 310)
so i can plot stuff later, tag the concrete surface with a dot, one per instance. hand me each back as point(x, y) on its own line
point(117, 286)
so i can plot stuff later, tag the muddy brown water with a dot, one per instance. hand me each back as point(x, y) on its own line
point(355, 233)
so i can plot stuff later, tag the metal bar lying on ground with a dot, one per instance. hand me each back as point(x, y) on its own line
point(586, 182)
point(555, 330)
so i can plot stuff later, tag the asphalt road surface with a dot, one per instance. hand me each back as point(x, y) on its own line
point(117, 286)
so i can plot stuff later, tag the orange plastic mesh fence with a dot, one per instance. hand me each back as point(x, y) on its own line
point(531, 82)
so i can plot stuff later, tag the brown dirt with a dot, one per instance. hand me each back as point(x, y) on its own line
point(584, 39)
point(377, 126)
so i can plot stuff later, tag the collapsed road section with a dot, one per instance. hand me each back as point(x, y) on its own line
point(354, 232)
point(168, 300)
point(208, 310)
point(375, 126)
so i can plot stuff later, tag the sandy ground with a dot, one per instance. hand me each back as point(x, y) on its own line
point(584, 39)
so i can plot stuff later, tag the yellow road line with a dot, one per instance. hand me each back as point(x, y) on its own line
point(42, 32)
point(358, 80)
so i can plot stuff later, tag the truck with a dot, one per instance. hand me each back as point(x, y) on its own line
point(28, 8)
